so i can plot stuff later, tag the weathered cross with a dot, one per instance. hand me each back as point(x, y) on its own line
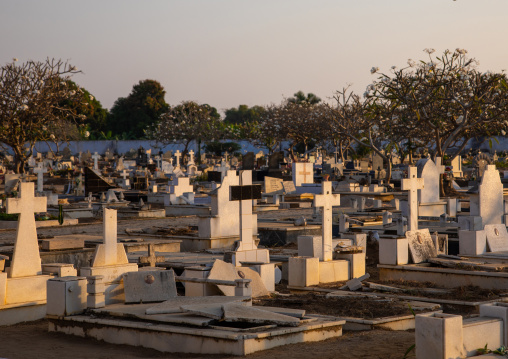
point(111, 252)
point(412, 184)
point(124, 174)
point(40, 169)
point(191, 155)
point(177, 156)
point(158, 159)
point(96, 157)
point(26, 260)
point(327, 200)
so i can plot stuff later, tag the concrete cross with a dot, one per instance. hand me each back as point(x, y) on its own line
point(96, 157)
point(191, 155)
point(124, 174)
point(177, 156)
point(412, 184)
point(226, 156)
point(327, 200)
point(40, 169)
point(26, 260)
point(158, 159)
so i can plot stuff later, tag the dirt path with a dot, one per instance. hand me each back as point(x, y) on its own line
point(31, 340)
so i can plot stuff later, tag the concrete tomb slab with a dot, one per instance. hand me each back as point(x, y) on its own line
point(173, 305)
point(149, 286)
point(224, 271)
point(234, 312)
point(213, 311)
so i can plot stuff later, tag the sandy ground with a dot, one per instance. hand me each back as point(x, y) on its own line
point(32, 340)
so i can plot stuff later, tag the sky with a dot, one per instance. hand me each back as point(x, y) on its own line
point(231, 52)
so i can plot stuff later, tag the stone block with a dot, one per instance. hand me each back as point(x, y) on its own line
point(26, 289)
point(478, 331)
point(356, 263)
point(497, 310)
point(198, 289)
point(152, 286)
point(334, 271)
point(95, 285)
point(438, 335)
point(303, 271)
point(54, 244)
point(393, 251)
point(96, 301)
point(112, 273)
point(267, 273)
point(470, 223)
point(310, 246)
point(253, 255)
point(472, 242)
point(359, 239)
point(60, 269)
point(3, 287)
point(66, 296)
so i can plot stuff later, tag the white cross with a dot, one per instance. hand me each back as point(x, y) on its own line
point(158, 159)
point(96, 157)
point(191, 155)
point(26, 260)
point(327, 200)
point(412, 184)
point(226, 156)
point(177, 156)
point(124, 174)
point(40, 169)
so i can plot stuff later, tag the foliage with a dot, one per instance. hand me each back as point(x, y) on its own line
point(187, 122)
point(446, 100)
point(31, 110)
point(300, 98)
point(243, 114)
point(141, 109)
point(499, 351)
point(95, 116)
point(218, 148)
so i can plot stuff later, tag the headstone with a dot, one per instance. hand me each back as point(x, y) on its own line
point(488, 203)
point(275, 159)
point(66, 153)
point(149, 286)
point(40, 170)
point(111, 252)
point(120, 166)
point(327, 200)
point(273, 185)
point(412, 184)
point(497, 237)
point(289, 187)
point(428, 171)
point(421, 245)
point(303, 172)
point(248, 161)
point(96, 158)
point(377, 162)
point(26, 260)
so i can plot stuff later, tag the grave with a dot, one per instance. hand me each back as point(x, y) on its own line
point(303, 172)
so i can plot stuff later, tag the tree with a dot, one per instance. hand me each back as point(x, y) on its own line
point(188, 122)
point(447, 98)
point(243, 114)
point(138, 111)
point(95, 116)
point(31, 110)
point(300, 98)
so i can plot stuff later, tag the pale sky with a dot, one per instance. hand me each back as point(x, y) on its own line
point(231, 52)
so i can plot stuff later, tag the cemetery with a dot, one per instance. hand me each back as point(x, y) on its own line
point(239, 278)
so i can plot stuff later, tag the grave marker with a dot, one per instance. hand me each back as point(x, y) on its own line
point(412, 184)
point(327, 200)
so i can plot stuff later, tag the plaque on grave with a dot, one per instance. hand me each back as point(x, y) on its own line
point(248, 161)
point(214, 176)
point(241, 193)
point(421, 245)
point(95, 183)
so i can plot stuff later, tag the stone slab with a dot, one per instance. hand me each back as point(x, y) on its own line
point(421, 245)
point(213, 311)
point(149, 286)
point(54, 244)
point(224, 271)
point(173, 305)
point(234, 312)
point(257, 286)
point(297, 313)
point(497, 237)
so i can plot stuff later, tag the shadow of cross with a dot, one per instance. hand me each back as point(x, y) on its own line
point(412, 184)
point(26, 260)
point(327, 200)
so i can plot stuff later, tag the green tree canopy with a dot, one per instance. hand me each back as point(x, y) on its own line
point(141, 109)
point(243, 114)
point(300, 98)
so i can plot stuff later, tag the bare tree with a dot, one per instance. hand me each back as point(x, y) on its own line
point(32, 98)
